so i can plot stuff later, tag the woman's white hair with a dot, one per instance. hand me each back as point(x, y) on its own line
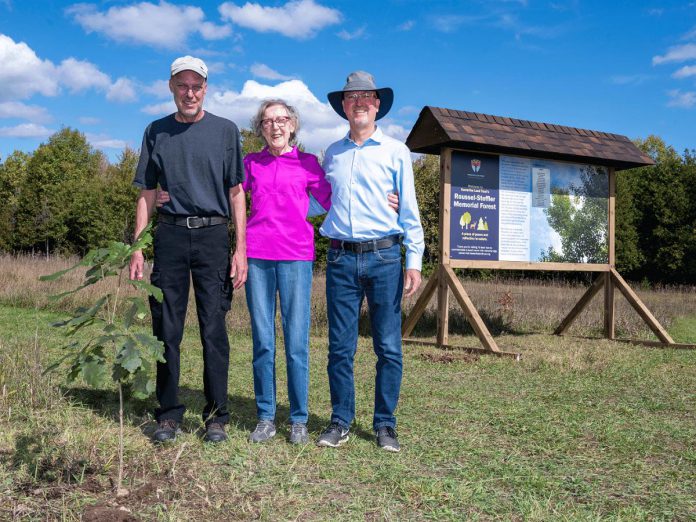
point(265, 104)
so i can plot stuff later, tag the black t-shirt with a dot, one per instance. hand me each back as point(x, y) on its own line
point(197, 163)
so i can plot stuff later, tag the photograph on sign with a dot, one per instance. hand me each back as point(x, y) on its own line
point(509, 208)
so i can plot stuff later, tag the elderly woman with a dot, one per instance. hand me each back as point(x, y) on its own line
point(280, 252)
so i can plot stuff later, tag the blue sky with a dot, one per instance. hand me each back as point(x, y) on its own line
point(627, 67)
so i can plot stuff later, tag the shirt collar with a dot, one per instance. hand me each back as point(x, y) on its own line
point(376, 137)
point(290, 154)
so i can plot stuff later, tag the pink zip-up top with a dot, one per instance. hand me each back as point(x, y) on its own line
point(277, 228)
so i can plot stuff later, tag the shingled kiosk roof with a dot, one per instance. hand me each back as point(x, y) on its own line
point(438, 128)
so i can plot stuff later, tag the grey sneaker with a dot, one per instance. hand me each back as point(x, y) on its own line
point(167, 430)
point(264, 430)
point(387, 439)
point(333, 436)
point(298, 433)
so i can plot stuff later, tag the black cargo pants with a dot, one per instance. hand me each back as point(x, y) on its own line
point(201, 255)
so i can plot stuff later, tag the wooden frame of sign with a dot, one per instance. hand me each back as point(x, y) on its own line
point(445, 280)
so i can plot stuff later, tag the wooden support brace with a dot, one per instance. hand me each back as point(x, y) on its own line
point(470, 310)
point(609, 309)
point(580, 305)
point(658, 344)
point(443, 311)
point(421, 304)
point(639, 307)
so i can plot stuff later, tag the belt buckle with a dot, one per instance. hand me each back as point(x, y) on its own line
point(188, 223)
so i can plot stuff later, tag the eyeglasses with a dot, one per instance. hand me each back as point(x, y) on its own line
point(184, 89)
point(355, 96)
point(280, 121)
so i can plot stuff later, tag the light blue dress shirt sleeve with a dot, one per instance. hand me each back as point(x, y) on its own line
point(409, 216)
point(315, 208)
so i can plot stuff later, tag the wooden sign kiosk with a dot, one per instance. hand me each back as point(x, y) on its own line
point(450, 133)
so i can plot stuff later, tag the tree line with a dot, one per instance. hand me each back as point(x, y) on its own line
point(66, 197)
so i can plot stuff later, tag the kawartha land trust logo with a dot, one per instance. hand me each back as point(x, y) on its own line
point(475, 165)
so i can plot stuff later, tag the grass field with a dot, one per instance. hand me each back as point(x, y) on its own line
point(580, 429)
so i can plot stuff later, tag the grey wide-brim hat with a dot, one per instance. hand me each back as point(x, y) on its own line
point(362, 81)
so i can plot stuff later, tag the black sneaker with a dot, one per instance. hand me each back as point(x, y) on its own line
point(166, 431)
point(387, 439)
point(215, 432)
point(333, 436)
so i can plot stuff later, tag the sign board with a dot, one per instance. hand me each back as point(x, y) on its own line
point(511, 208)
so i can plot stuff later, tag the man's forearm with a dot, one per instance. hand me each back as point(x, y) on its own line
point(238, 204)
point(144, 209)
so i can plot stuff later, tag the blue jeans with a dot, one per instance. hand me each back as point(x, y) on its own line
point(292, 280)
point(350, 277)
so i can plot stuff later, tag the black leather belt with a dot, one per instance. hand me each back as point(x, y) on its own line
point(192, 221)
point(365, 246)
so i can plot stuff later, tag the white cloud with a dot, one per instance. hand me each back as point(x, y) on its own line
point(160, 109)
point(448, 23)
point(159, 88)
point(161, 25)
point(80, 75)
point(300, 19)
point(684, 100)
point(123, 90)
point(345, 35)
point(408, 109)
point(261, 70)
point(398, 132)
point(215, 67)
point(629, 79)
point(24, 74)
point(210, 31)
point(102, 141)
point(89, 120)
point(19, 110)
point(26, 130)
point(406, 26)
point(685, 72)
point(320, 124)
point(678, 53)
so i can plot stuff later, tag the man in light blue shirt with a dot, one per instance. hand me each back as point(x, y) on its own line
point(364, 259)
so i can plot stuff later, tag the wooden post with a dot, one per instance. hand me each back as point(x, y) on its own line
point(443, 290)
point(609, 308)
point(442, 311)
point(611, 246)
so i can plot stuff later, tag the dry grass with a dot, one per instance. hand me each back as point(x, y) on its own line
point(508, 306)
point(578, 430)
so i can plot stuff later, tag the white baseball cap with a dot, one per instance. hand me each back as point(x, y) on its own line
point(189, 63)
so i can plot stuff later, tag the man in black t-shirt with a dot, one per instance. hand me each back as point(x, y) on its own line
point(195, 156)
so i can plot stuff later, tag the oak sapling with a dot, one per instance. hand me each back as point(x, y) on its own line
point(107, 340)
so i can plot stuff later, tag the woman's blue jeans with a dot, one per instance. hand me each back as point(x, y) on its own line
point(350, 277)
point(292, 282)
